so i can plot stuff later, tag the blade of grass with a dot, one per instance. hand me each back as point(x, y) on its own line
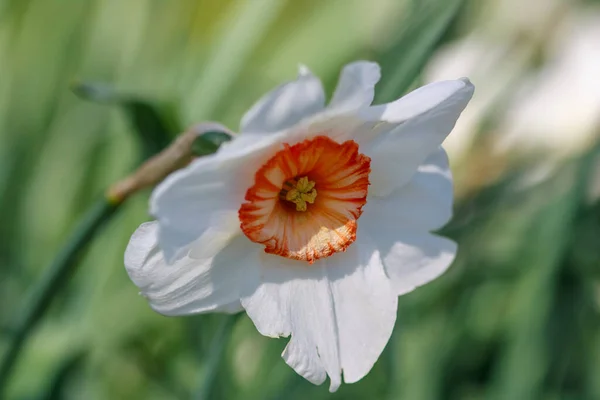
point(154, 128)
point(215, 357)
point(423, 28)
point(521, 371)
point(154, 135)
point(57, 388)
point(52, 281)
point(240, 33)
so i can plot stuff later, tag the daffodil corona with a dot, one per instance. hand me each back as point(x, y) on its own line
point(283, 211)
point(313, 219)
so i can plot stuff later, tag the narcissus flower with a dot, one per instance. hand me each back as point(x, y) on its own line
point(313, 219)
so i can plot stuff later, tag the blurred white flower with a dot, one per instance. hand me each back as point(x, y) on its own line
point(558, 110)
point(270, 223)
point(497, 55)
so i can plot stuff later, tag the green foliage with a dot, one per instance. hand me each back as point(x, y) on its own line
point(422, 27)
point(209, 142)
point(51, 282)
point(152, 128)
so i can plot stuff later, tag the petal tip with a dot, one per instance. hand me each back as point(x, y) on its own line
point(467, 83)
point(303, 70)
point(141, 243)
point(334, 385)
point(366, 64)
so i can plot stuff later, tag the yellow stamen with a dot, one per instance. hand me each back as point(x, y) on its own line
point(300, 192)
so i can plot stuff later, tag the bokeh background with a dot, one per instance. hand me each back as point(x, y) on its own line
point(516, 317)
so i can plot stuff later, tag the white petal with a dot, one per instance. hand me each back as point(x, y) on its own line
point(340, 311)
point(412, 258)
point(425, 117)
point(356, 87)
point(423, 204)
point(208, 281)
point(286, 105)
point(192, 201)
point(418, 259)
point(206, 195)
point(420, 101)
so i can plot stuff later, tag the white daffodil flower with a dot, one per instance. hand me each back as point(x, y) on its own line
point(313, 220)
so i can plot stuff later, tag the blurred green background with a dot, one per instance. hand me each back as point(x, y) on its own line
point(516, 317)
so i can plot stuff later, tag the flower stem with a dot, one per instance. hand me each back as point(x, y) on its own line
point(53, 279)
point(215, 356)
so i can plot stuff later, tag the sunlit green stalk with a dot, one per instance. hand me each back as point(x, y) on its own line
point(215, 357)
point(54, 277)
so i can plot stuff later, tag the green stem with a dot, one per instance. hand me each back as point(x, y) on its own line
point(54, 277)
point(392, 356)
point(215, 356)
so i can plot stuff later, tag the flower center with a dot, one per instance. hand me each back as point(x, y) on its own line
point(283, 212)
point(299, 192)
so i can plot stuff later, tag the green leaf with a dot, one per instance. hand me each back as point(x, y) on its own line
point(215, 357)
point(152, 123)
point(209, 142)
point(422, 29)
point(58, 385)
point(149, 125)
point(521, 371)
point(55, 276)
